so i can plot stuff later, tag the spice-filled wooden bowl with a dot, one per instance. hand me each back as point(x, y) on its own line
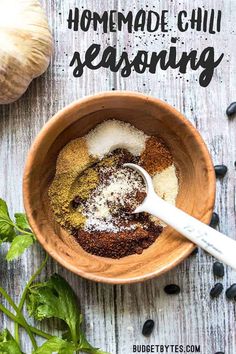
point(196, 180)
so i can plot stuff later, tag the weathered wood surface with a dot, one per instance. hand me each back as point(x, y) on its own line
point(115, 314)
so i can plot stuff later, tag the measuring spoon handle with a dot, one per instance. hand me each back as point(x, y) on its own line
point(219, 245)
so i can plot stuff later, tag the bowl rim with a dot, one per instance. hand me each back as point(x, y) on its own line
point(29, 164)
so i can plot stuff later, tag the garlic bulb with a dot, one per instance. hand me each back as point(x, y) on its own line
point(25, 46)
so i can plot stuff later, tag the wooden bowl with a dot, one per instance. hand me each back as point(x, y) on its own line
point(196, 195)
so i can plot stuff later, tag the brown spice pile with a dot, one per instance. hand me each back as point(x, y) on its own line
point(156, 156)
point(120, 244)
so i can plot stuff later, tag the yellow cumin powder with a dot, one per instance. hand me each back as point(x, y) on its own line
point(67, 184)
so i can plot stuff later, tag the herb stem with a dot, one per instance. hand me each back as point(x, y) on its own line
point(40, 333)
point(22, 231)
point(16, 319)
point(10, 315)
point(22, 300)
point(20, 316)
point(19, 229)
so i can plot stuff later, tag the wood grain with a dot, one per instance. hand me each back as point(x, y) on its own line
point(115, 314)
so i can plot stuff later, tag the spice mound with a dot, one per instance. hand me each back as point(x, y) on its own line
point(93, 196)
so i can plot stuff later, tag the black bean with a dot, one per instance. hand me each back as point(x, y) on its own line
point(220, 170)
point(172, 289)
point(214, 220)
point(194, 252)
point(216, 290)
point(231, 110)
point(231, 292)
point(148, 327)
point(218, 269)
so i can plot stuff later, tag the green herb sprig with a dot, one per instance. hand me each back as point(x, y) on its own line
point(17, 232)
point(53, 298)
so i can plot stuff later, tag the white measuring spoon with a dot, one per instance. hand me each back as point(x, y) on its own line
point(212, 241)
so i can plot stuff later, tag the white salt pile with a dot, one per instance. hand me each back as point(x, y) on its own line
point(97, 210)
point(114, 134)
point(166, 184)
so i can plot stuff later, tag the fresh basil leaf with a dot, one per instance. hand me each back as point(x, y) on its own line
point(56, 345)
point(55, 298)
point(8, 344)
point(19, 245)
point(7, 231)
point(22, 222)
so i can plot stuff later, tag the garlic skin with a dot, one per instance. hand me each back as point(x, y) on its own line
point(25, 46)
